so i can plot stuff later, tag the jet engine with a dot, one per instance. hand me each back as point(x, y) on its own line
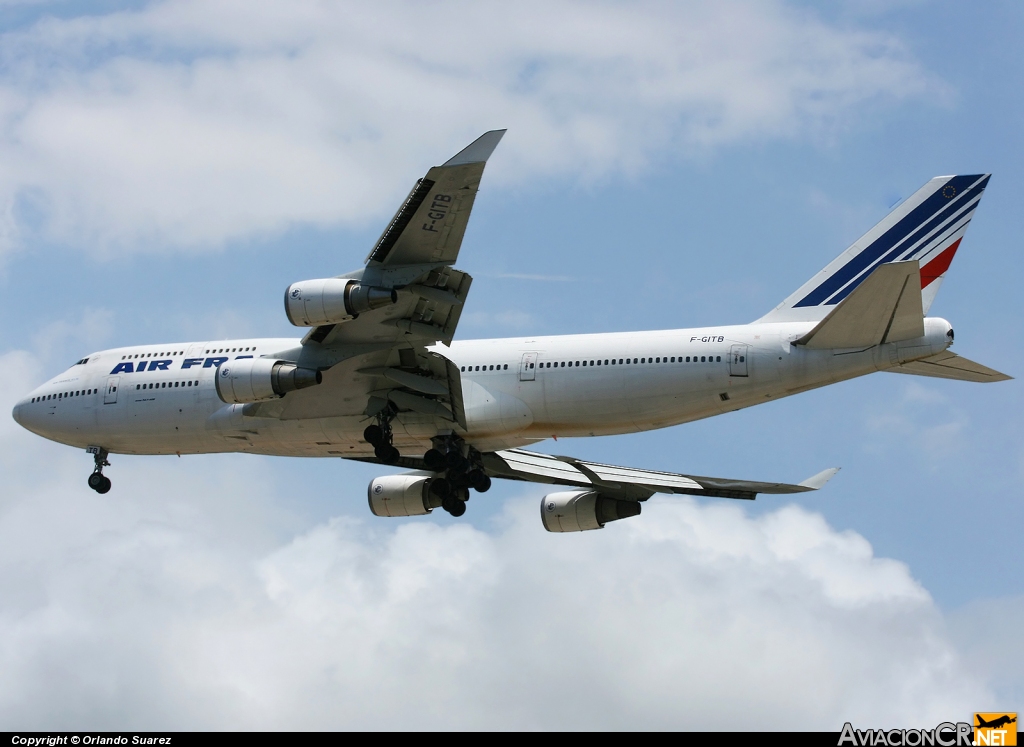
point(580, 510)
point(402, 495)
point(259, 379)
point(311, 303)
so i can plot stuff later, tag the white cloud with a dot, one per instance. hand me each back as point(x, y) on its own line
point(192, 597)
point(195, 123)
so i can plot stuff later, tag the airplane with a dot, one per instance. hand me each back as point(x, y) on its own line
point(994, 723)
point(379, 376)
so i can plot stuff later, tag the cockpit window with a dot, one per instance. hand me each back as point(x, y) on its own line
point(82, 362)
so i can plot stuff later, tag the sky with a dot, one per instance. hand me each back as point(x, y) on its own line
point(168, 168)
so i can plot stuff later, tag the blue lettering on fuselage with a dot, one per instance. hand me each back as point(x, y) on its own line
point(131, 367)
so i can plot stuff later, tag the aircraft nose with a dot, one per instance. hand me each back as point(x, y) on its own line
point(16, 413)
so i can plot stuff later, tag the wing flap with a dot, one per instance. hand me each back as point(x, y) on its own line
point(630, 483)
point(534, 467)
point(949, 365)
point(659, 481)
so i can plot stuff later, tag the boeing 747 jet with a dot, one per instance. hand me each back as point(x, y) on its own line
point(379, 376)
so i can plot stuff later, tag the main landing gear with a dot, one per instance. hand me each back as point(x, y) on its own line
point(380, 437)
point(458, 466)
point(97, 480)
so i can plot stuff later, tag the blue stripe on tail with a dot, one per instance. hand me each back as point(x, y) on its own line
point(888, 247)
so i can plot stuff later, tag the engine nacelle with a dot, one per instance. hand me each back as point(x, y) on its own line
point(401, 495)
point(260, 379)
point(311, 303)
point(580, 510)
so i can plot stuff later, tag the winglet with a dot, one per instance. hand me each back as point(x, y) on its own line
point(477, 151)
point(819, 480)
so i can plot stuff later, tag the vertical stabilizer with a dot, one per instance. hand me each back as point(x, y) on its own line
point(926, 227)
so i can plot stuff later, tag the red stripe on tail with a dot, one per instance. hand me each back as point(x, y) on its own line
point(938, 266)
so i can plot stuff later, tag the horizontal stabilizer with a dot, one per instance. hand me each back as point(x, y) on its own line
point(886, 307)
point(947, 365)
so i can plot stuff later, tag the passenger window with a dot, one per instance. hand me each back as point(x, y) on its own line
point(463, 369)
point(506, 367)
point(531, 365)
point(718, 359)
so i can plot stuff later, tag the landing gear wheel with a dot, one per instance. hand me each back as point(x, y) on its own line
point(374, 435)
point(456, 461)
point(479, 480)
point(434, 460)
point(441, 488)
point(99, 482)
point(454, 506)
point(96, 480)
point(458, 479)
point(387, 453)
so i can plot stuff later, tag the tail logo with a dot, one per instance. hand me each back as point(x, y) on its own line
point(930, 226)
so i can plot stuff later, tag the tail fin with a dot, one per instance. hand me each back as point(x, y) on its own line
point(926, 227)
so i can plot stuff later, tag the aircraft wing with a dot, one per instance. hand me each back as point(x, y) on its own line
point(415, 255)
point(627, 483)
point(430, 224)
point(391, 353)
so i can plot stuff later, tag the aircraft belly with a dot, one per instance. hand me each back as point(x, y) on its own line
point(574, 403)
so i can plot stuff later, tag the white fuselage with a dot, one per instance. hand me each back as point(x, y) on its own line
point(516, 391)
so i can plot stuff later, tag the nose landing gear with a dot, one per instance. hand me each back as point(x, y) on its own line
point(97, 480)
